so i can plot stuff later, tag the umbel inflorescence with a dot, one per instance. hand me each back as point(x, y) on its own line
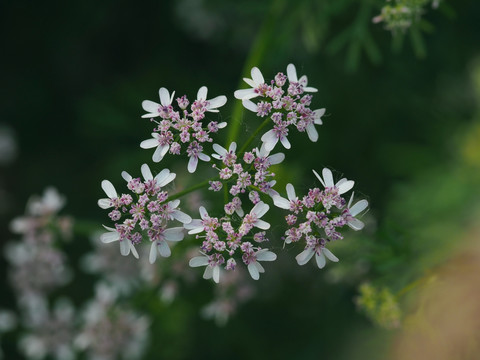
point(236, 233)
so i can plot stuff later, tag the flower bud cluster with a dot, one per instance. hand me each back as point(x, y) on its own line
point(249, 173)
point(287, 105)
point(182, 128)
point(148, 215)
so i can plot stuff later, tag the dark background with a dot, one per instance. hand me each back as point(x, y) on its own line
point(73, 78)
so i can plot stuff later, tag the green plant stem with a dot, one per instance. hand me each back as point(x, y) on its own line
point(192, 188)
point(259, 48)
point(254, 135)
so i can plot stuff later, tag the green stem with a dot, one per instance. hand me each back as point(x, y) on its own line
point(255, 56)
point(254, 135)
point(192, 188)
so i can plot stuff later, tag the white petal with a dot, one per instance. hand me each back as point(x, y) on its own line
point(356, 224)
point(285, 142)
point(245, 94)
point(182, 217)
point(203, 212)
point(195, 226)
point(105, 203)
point(292, 73)
point(291, 192)
point(153, 253)
point(161, 176)
point(160, 152)
point(150, 106)
point(174, 234)
point(164, 96)
point(265, 255)
point(269, 140)
point(344, 186)
point(109, 237)
point(146, 172)
point(192, 164)
point(305, 256)
point(276, 158)
point(310, 89)
point(327, 177)
point(133, 250)
point(262, 225)
point(162, 181)
point(280, 202)
point(208, 273)
point(149, 143)
point(320, 261)
point(257, 76)
point(318, 177)
point(163, 248)
point(109, 189)
point(259, 267)
point(216, 274)
point(253, 270)
point(250, 105)
point(260, 209)
point(318, 115)
point(202, 93)
point(250, 82)
point(219, 149)
point(203, 157)
point(239, 212)
point(126, 176)
point(358, 207)
point(329, 255)
point(124, 247)
point(217, 102)
point(198, 261)
point(174, 203)
point(222, 125)
point(233, 147)
point(312, 132)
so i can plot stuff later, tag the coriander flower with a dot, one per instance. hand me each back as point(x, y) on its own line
point(126, 244)
point(252, 261)
point(212, 263)
point(109, 189)
point(255, 82)
point(163, 178)
point(353, 211)
point(292, 78)
point(317, 120)
point(343, 185)
point(161, 142)
point(252, 219)
point(194, 152)
point(318, 249)
point(154, 109)
point(271, 137)
point(292, 204)
point(197, 226)
point(159, 239)
point(228, 157)
point(212, 104)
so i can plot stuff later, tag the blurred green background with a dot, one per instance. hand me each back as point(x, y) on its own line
point(403, 121)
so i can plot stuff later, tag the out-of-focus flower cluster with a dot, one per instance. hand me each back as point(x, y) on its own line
point(49, 326)
point(380, 305)
point(37, 253)
point(403, 13)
